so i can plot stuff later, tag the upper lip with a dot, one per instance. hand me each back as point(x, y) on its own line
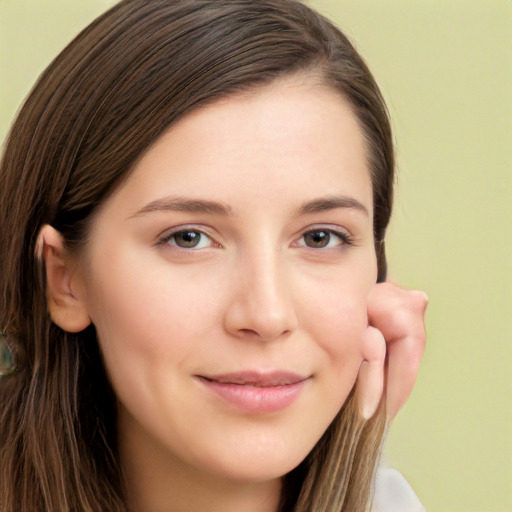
point(257, 379)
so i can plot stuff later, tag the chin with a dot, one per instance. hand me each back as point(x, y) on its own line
point(258, 465)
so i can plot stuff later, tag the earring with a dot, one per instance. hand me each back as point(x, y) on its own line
point(7, 356)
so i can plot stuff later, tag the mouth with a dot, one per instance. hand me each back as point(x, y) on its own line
point(256, 392)
point(257, 379)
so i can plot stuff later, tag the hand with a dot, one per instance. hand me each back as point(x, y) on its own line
point(399, 315)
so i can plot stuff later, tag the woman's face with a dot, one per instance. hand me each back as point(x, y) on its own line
point(228, 278)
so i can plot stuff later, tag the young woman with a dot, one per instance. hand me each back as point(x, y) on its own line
point(193, 206)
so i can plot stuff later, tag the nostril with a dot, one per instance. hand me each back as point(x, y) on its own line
point(248, 332)
point(263, 334)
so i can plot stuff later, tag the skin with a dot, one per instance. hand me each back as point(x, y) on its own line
point(399, 315)
point(254, 294)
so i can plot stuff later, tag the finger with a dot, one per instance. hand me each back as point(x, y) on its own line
point(399, 315)
point(391, 307)
point(403, 361)
point(370, 380)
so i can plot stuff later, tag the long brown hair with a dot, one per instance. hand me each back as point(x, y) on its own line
point(97, 108)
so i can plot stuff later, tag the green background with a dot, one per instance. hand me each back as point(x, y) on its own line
point(445, 67)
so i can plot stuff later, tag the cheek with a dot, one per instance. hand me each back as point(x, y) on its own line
point(146, 315)
point(335, 313)
point(339, 336)
point(151, 325)
point(152, 315)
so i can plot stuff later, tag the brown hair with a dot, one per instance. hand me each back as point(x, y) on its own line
point(97, 108)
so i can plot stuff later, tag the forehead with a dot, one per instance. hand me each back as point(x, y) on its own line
point(293, 137)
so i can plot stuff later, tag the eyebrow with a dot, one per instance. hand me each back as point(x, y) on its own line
point(183, 204)
point(327, 203)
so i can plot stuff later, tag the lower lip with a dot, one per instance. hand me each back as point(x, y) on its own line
point(256, 400)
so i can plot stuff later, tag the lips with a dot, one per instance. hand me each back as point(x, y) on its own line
point(256, 392)
point(260, 380)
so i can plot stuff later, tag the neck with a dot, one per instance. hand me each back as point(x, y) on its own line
point(156, 481)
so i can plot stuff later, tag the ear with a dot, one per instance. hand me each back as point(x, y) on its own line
point(370, 380)
point(67, 309)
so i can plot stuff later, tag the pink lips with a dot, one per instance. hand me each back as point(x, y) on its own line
point(255, 392)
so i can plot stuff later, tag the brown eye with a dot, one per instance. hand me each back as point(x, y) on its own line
point(189, 239)
point(324, 239)
point(317, 239)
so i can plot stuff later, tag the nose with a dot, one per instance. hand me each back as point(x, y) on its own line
point(261, 305)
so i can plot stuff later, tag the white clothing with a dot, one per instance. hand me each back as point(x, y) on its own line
point(393, 493)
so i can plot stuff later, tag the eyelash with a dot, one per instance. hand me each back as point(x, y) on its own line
point(169, 236)
point(345, 238)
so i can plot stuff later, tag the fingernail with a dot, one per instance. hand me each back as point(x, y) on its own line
point(369, 408)
point(423, 294)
